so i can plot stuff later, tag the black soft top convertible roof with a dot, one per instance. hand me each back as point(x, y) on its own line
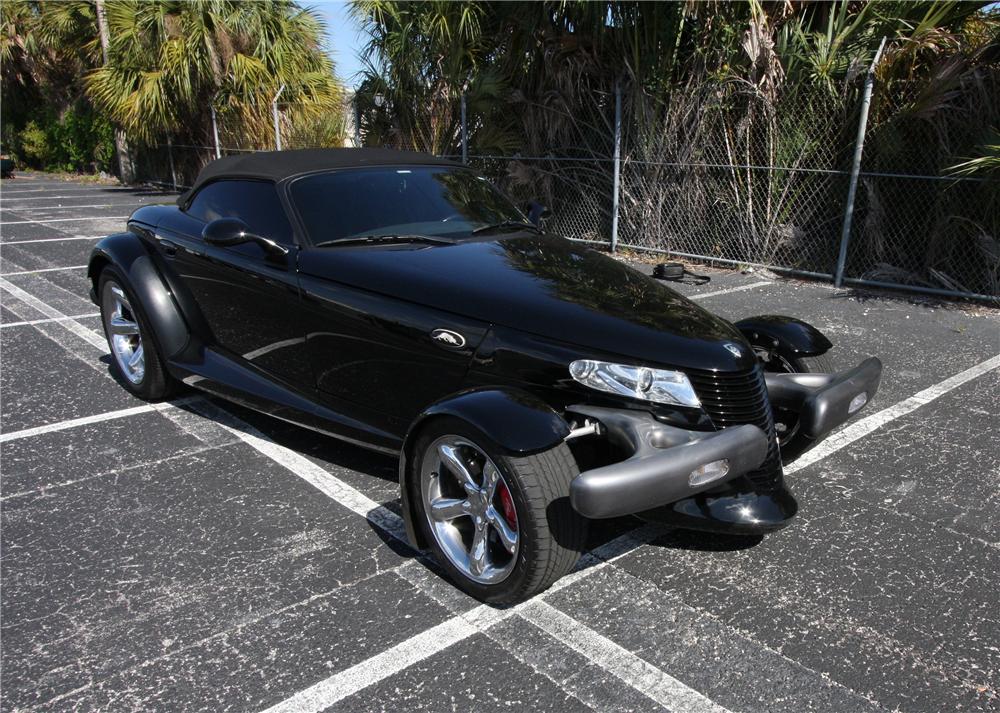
point(279, 165)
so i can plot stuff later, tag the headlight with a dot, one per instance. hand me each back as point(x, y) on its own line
point(640, 382)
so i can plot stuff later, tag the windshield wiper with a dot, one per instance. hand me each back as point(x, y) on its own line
point(385, 239)
point(508, 224)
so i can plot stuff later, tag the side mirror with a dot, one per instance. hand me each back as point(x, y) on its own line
point(537, 213)
point(227, 231)
point(233, 231)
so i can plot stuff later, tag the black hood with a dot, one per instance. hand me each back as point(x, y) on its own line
point(547, 286)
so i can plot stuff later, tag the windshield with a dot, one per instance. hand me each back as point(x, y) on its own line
point(422, 200)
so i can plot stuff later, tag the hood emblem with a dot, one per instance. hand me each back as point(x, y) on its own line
point(734, 349)
point(448, 338)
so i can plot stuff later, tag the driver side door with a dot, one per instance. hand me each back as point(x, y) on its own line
point(247, 298)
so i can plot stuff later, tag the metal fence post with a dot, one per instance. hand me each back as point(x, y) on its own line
point(859, 145)
point(215, 132)
point(618, 156)
point(277, 125)
point(465, 134)
point(170, 157)
point(357, 120)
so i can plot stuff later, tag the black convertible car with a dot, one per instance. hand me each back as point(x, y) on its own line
point(527, 383)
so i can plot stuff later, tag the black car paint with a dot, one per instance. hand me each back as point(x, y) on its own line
point(541, 285)
point(739, 510)
point(371, 350)
point(226, 285)
point(137, 263)
point(523, 360)
point(790, 337)
point(533, 297)
point(294, 336)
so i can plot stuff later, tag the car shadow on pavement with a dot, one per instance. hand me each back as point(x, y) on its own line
point(698, 541)
point(108, 362)
point(337, 456)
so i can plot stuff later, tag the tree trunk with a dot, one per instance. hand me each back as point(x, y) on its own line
point(126, 172)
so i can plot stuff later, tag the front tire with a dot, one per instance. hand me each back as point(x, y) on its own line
point(134, 357)
point(500, 525)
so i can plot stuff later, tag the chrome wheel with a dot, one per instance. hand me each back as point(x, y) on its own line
point(469, 509)
point(122, 327)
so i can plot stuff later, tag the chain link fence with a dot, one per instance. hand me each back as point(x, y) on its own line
point(721, 173)
point(916, 224)
point(725, 173)
point(273, 126)
point(742, 180)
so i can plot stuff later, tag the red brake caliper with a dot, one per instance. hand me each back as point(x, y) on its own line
point(507, 505)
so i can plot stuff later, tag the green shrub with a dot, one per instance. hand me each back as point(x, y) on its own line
point(32, 148)
point(79, 141)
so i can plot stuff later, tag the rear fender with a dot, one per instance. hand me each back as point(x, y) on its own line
point(514, 420)
point(790, 337)
point(128, 253)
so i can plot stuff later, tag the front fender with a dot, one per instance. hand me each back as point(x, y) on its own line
point(789, 336)
point(514, 420)
point(128, 253)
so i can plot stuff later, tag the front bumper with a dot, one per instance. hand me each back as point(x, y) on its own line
point(658, 473)
point(825, 401)
point(663, 458)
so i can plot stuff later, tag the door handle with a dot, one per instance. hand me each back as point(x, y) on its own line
point(169, 247)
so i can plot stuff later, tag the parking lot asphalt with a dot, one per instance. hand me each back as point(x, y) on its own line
point(191, 555)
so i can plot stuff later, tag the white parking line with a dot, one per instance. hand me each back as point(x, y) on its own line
point(642, 675)
point(417, 648)
point(48, 319)
point(346, 683)
point(331, 486)
point(859, 429)
point(46, 269)
point(48, 197)
point(636, 672)
point(51, 240)
point(429, 642)
point(24, 190)
point(75, 422)
point(63, 220)
point(751, 286)
point(633, 670)
point(28, 209)
point(88, 335)
point(43, 188)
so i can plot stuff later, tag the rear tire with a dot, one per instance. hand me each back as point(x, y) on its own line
point(135, 359)
point(549, 534)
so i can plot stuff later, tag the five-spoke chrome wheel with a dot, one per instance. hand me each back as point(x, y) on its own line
point(470, 509)
point(122, 327)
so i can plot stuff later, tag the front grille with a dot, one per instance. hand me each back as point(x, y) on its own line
point(734, 398)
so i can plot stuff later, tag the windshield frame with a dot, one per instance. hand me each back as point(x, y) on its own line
point(302, 230)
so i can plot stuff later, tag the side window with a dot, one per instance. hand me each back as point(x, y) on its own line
point(256, 203)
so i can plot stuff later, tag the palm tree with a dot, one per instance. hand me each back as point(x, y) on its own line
point(44, 48)
point(420, 58)
point(170, 62)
